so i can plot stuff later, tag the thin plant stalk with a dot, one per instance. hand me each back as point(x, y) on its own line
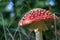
point(20, 35)
point(10, 34)
point(4, 27)
point(16, 31)
point(55, 26)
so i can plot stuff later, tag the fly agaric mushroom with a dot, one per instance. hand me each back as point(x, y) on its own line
point(36, 18)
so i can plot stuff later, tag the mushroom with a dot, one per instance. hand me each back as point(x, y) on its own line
point(36, 19)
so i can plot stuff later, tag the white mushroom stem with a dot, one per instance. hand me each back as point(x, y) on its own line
point(38, 27)
point(38, 34)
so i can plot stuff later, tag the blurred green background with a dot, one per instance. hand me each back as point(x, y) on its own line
point(11, 12)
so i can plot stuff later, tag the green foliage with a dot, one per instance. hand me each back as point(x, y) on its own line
point(10, 24)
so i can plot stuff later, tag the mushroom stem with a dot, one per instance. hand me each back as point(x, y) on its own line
point(38, 27)
point(38, 34)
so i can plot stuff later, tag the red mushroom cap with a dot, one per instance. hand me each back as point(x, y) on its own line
point(36, 15)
